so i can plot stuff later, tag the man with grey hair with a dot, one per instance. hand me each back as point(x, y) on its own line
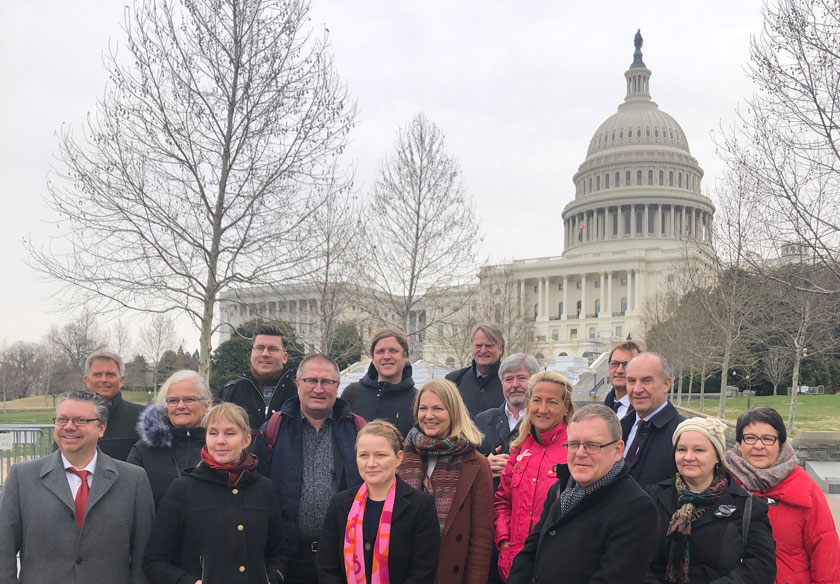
point(479, 384)
point(597, 524)
point(104, 375)
point(500, 425)
point(647, 430)
point(77, 515)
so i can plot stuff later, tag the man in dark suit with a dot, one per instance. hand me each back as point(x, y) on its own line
point(479, 384)
point(620, 356)
point(78, 515)
point(104, 376)
point(501, 425)
point(648, 430)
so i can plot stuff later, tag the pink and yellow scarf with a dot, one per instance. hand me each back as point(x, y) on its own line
point(354, 558)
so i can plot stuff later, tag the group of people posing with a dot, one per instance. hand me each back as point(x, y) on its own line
point(489, 475)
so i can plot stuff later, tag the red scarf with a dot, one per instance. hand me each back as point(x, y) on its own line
point(246, 462)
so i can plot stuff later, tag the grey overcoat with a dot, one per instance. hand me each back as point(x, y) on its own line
point(37, 519)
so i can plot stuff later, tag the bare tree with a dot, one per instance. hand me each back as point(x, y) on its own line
point(24, 369)
point(78, 338)
point(155, 338)
point(499, 302)
point(776, 366)
point(421, 232)
point(119, 336)
point(214, 143)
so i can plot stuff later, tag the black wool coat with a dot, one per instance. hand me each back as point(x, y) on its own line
point(163, 450)
point(247, 393)
point(718, 553)
point(607, 538)
point(478, 394)
point(372, 399)
point(121, 431)
point(204, 526)
point(415, 538)
point(654, 461)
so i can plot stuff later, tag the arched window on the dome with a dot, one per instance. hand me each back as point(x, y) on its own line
point(671, 178)
point(650, 177)
point(615, 223)
point(607, 181)
point(613, 136)
point(627, 179)
point(638, 177)
point(661, 178)
point(647, 132)
point(627, 222)
point(590, 185)
point(638, 132)
point(656, 132)
point(679, 180)
point(621, 135)
point(598, 183)
point(617, 179)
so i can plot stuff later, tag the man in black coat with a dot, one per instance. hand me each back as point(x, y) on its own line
point(262, 390)
point(387, 390)
point(620, 356)
point(105, 375)
point(479, 384)
point(597, 524)
point(501, 425)
point(648, 430)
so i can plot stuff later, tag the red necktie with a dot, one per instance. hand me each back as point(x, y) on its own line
point(81, 495)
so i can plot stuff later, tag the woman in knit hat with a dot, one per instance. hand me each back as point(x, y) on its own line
point(710, 528)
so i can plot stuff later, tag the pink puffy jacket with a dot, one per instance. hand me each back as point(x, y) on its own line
point(522, 490)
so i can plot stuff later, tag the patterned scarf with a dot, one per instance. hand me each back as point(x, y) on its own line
point(691, 506)
point(354, 557)
point(246, 462)
point(444, 479)
point(574, 493)
point(761, 480)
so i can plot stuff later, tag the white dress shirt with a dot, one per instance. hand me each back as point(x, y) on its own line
point(75, 481)
point(636, 426)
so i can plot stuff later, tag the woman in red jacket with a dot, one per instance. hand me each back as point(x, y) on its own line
point(530, 470)
point(807, 547)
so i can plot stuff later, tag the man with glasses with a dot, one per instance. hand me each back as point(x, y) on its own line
point(264, 389)
point(104, 376)
point(308, 450)
point(77, 515)
point(620, 356)
point(597, 524)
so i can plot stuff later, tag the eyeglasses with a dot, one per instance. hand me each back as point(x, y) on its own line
point(588, 447)
point(78, 422)
point(615, 364)
point(271, 350)
point(766, 440)
point(188, 401)
point(311, 382)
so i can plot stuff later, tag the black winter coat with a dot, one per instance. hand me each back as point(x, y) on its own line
point(415, 538)
point(654, 461)
point(607, 538)
point(163, 450)
point(718, 554)
point(478, 394)
point(206, 529)
point(246, 392)
point(372, 399)
point(121, 431)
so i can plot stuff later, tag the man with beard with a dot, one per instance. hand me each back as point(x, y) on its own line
point(620, 356)
point(262, 391)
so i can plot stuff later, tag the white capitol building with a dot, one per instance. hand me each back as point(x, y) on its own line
point(638, 212)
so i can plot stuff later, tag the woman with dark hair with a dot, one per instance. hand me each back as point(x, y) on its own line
point(441, 459)
point(218, 523)
point(530, 470)
point(807, 546)
point(710, 529)
point(171, 436)
point(383, 532)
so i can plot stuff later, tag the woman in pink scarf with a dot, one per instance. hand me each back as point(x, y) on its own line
point(383, 532)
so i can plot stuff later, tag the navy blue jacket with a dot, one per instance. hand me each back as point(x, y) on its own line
point(286, 472)
point(479, 394)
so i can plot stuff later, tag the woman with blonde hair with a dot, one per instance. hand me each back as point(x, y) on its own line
point(529, 472)
point(441, 459)
point(219, 522)
point(382, 532)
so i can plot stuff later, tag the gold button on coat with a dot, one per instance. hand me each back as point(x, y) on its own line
point(240, 527)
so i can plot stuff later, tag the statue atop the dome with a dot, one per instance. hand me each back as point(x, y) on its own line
point(637, 56)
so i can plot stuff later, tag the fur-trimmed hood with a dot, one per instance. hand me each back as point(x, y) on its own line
point(155, 431)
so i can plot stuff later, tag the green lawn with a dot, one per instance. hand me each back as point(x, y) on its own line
point(31, 410)
point(813, 412)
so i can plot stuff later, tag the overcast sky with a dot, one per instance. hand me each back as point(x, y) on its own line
point(517, 87)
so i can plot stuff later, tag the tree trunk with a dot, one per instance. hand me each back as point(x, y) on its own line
point(724, 377)
point(797, 360)
point(775, 388)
